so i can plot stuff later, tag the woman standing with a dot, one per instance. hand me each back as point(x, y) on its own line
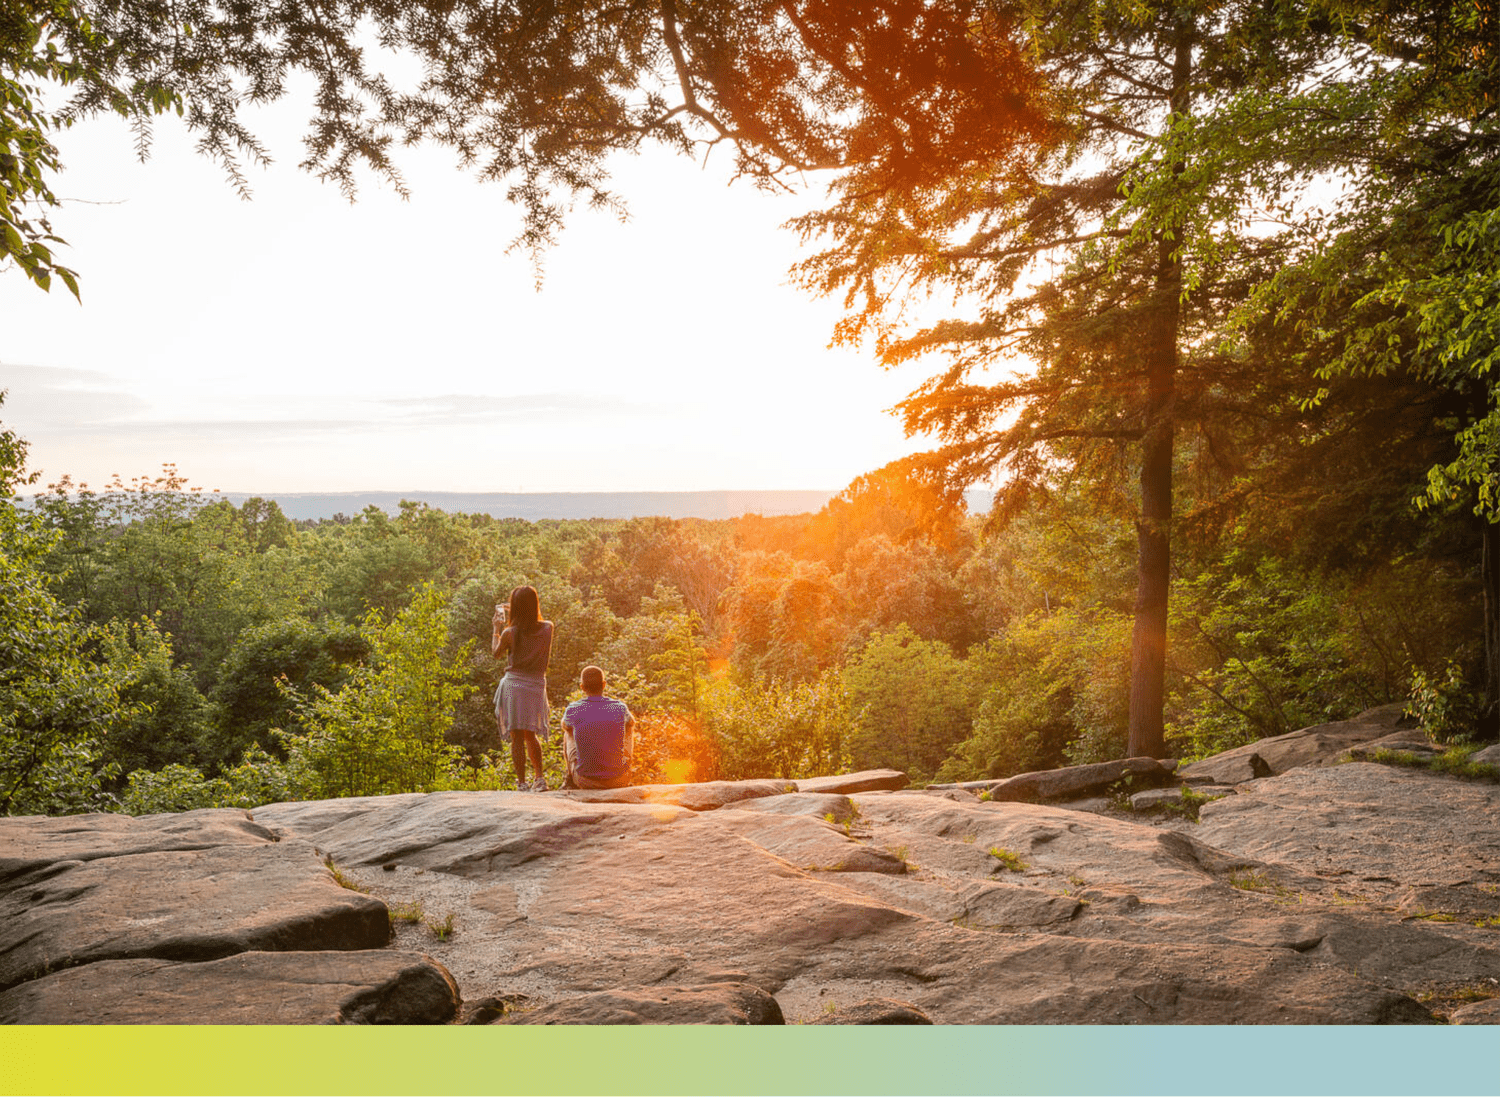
point(525, 641)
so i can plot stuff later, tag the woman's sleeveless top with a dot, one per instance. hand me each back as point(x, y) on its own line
point(530, 649)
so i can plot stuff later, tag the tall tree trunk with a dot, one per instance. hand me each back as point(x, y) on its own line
point(1148, 641)
point(1489, 715)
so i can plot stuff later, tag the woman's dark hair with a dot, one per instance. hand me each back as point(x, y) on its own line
point(525, 609)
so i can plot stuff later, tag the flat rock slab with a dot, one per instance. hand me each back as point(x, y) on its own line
point(1061, 848)
point(1320, 745)
point(810, 843)
point(1005, 913)
point(695, 897)
point(1075, 781)
point(34, 842)
point(736, 1003)
point(1069, 980)
point(186, 904)
point(1373, 825)
point(867, 780)
point(251, 988)
point(463, 833)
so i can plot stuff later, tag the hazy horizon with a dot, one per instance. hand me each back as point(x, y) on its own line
point(538, 505)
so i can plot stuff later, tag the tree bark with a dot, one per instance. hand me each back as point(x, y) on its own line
point(1148, 641)
point(1489, 714)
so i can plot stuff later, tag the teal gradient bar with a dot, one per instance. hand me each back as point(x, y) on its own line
point(821, 1060)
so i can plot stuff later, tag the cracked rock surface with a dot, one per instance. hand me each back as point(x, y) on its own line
point(1343, 894)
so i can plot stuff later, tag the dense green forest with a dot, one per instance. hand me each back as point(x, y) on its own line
point(164, 650)
point(1225, 288)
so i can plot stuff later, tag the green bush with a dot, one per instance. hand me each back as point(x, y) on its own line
point(384, 731)
point(1444, 707)
point(777, 729)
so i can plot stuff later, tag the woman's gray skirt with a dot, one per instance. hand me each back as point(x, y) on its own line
point(521, 702)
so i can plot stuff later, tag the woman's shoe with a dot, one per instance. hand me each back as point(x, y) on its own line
point(539, 785)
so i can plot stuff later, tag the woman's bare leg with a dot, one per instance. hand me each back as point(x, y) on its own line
point(518, 751)
point(534, 749)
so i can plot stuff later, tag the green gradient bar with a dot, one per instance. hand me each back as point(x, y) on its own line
point(794, 1060)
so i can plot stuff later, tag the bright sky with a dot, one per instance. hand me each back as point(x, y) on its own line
point(297, 343)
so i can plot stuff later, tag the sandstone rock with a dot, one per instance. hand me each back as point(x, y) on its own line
point(875, 1011)
point(811, 844)
point(1056, 844)
point(820, 804)
point(868, 780)
point(1002, 906)
point(1463, 902)
point(1111, 982)
point(750, 910)
point(1233, 767)
point(191, 904)
point(251, 988)
point(959, 795)
point(1155, 799)
point(713, 1004)
point(1486, 1012)
point(463, 833)
point(490, 1009)
point(1320, 745)
point(705, 796)
point(1489, 756)
point(1408, 741)
point(590, 897)
point(1282, 911)
point(1365, 823)
point(968, 786)
point(1073, 781)
point(35, 842)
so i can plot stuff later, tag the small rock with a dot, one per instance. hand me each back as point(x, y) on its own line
point(819, 804)
point(1486, 1012)
point(1404, 742)
point(488, 1010)
point(868, 780)
point(1233, 767)
point(736, 1003)
point(875, 1011)
point(1075, 781)
point(1154, 799)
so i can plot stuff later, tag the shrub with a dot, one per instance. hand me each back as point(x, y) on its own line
point(1445, 708)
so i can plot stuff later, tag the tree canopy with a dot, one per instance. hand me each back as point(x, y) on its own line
point(535, 94)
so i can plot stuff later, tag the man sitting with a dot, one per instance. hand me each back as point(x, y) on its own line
point(598, 737)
